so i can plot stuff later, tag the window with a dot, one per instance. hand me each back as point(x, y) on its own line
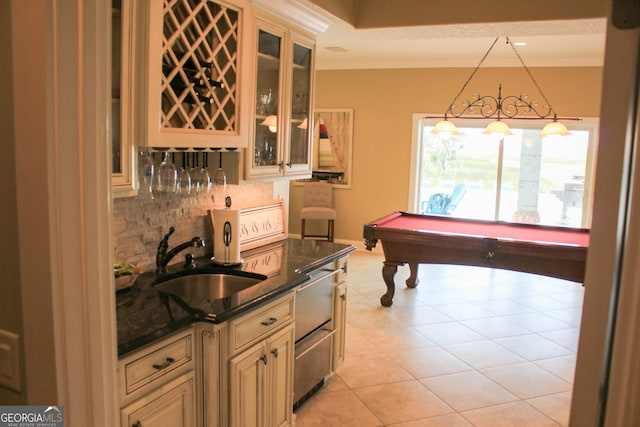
point(517, 178)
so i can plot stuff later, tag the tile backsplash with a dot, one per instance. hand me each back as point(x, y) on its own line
point(140, 222)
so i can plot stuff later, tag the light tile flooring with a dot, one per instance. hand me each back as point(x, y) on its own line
point(468, 347)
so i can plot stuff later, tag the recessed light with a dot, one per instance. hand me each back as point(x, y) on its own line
point(519, 43)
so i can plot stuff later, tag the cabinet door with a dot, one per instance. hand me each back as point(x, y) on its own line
point(298, 137)
point(247, 375)
point(280, 367)
point(171, 405)
point(267, 155)
point(198, 73)
point(123, 163)
point(284, 79)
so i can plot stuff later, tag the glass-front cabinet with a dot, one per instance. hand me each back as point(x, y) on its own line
point(281, 144)
point(299, 128)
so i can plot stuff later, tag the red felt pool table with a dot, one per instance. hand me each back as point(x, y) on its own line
point(422, 239)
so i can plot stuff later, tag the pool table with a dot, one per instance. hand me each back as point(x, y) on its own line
point(422, 239)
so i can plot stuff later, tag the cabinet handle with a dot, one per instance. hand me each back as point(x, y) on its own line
point(275, 352)
point(264, 358)
point(271, 321)
point(343, 297)
point(160, 366)
point(136, 424)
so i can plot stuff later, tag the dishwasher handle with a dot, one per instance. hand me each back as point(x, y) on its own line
point(314, 280)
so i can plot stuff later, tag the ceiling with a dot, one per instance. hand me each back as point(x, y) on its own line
point(557, 43)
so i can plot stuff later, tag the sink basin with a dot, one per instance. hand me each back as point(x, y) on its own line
point(209, 286)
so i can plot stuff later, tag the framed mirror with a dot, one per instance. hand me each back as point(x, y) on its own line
point(333, 146)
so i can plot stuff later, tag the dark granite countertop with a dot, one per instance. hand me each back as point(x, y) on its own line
point(145, 315)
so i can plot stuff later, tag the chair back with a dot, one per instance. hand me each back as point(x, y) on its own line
point(456, 196)
point(318, 194)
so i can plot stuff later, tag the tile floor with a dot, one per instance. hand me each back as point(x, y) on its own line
point(467, 347)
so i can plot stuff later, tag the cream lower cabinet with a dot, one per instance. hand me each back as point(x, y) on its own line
point(261, 382)
point(260, 368)
point(158, 384)
point(170, 405)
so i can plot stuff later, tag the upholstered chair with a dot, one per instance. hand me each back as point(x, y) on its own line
point(318, 205)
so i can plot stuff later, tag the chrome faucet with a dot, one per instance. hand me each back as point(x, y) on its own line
point(163, 257)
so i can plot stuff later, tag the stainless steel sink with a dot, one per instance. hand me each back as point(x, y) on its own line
point(209, 286)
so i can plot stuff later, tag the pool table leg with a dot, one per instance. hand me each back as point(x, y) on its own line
point(388, 273)
point(412, 281)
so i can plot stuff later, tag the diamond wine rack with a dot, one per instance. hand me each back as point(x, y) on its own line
point(199, 66)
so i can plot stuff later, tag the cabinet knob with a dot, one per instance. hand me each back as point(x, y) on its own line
point(264, 358)
point(275, 352)
point(136, 424)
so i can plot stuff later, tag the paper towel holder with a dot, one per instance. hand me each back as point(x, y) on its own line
point(227, 234)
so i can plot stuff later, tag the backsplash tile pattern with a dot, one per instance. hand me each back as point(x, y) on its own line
point(140, 222)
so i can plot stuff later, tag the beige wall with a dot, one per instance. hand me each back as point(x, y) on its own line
point(384, 102)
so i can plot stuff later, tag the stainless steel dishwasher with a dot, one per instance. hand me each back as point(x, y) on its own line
point(313, 332)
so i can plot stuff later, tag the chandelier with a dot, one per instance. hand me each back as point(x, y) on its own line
point(500, 107)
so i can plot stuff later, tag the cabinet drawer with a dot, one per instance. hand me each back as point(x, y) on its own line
point(159, 360)
point(253, 326)
point(171, 404)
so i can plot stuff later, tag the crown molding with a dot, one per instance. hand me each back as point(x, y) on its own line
point(301, 13)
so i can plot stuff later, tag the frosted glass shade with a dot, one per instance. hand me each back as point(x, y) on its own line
point(497, 128)
point(445, 128)
point(554, 128)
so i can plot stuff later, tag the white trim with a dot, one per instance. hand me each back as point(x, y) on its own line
point(607, 253)
point(80, 213)
point(624, 384)
point(416, 161)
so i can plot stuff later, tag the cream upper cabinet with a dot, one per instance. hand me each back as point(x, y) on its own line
point(281, 143)
point(194, 75)
point(123, 150)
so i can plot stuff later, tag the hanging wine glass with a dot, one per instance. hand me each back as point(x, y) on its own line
point(204, 173)
point(184, 178)
point(196, 174)
point(145, 174)
point(220, 179)
point(166, 177)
